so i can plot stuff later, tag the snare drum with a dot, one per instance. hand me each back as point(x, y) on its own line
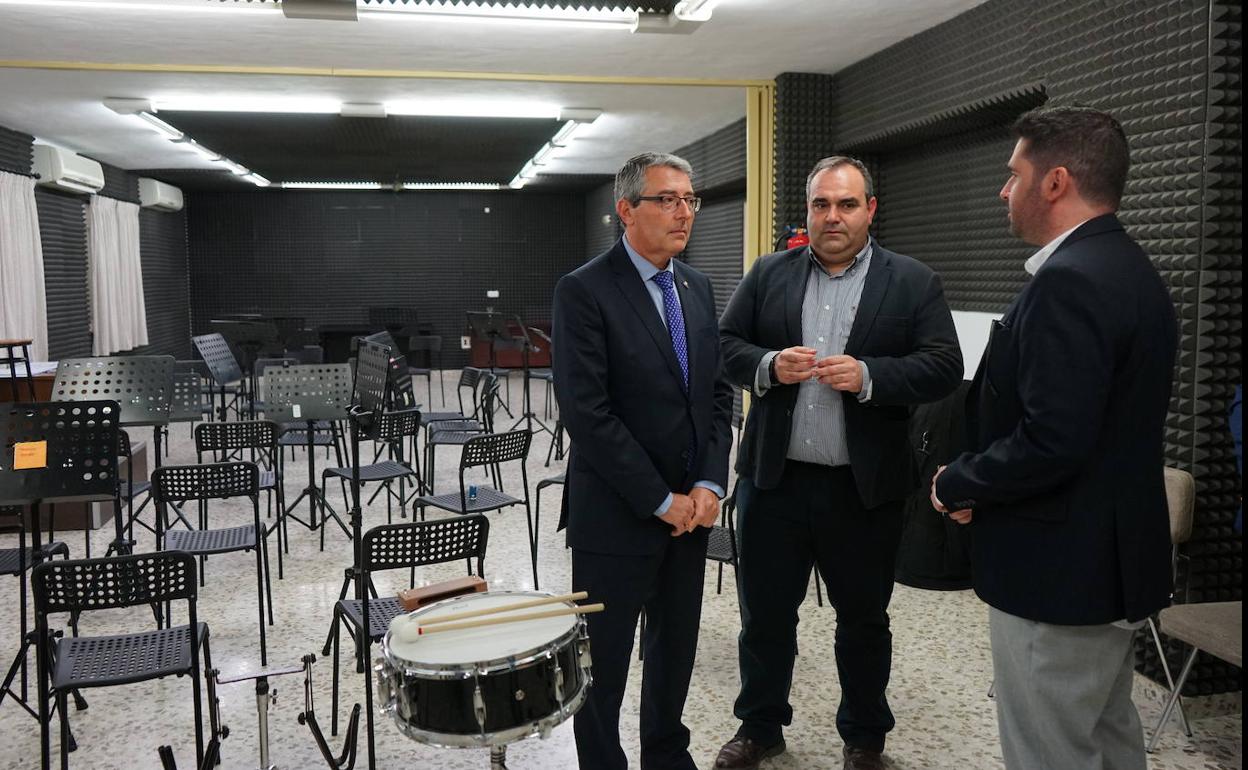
point(484, 686)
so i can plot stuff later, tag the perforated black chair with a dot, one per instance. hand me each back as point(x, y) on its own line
point(17, 562)
point(395, 429)
point(390, 547)
point(216, 481)
point(456, 432)
point(427, 351)
point(721, 545)
point(259, 438)
point(129, 490)
point(489, 450)
point(102, 661)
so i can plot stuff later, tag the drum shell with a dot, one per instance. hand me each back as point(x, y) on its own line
point(517, 696)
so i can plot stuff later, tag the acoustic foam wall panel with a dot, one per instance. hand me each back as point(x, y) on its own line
point(166, 290)
point(15, 152)
point(1170, 71)
point(803, 135)
point(63, 235)
point(328, 256)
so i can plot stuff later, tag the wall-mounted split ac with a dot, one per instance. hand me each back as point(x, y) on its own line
point(64, 170)
point(155, 194)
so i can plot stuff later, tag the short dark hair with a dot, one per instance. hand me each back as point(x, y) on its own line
point(836, 161)
point(1089, 143)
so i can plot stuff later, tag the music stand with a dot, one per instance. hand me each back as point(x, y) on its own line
point(526, 344)
point(308, 393)
point(491, 327)
point(80, 465)
point(250, 336)
point(141, 385)
point(222, 364)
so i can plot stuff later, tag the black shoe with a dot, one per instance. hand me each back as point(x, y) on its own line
point(743, 753)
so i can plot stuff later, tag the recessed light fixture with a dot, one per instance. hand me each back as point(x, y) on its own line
point(331, 185)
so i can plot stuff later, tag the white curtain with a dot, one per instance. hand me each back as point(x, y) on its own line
point(118, 314)
point(23, 304)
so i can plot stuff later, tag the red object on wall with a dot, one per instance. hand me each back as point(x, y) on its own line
point(510, 358)
point(799, 238)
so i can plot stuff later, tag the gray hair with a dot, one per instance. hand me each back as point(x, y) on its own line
point(835, 161)
point(631, 179)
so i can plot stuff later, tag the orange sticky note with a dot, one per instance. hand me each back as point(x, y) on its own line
point(29, 455)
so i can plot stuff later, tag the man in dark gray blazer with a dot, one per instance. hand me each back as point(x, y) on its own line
point(836, 341)
point(641, 391)
point(1064, 487)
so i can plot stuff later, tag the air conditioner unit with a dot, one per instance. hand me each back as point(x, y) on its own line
point(64, 170)
point(155, 194)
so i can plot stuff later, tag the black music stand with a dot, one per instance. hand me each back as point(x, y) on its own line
point(491, 327)
point(251, 337)
point(308, 393)
point(222, 364)
point(368, 398)
point(142, 387)
point(80, 443)
point(525, 343)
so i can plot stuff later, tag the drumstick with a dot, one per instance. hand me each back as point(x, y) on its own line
point(482, 622)
point(506, 608)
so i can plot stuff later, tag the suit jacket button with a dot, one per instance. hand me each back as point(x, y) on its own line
point(684, 455)
point(788, 412)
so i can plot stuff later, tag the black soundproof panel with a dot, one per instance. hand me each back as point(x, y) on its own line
point(166, 288)
point(63, 235)
point(329, 256)
point(16, 155)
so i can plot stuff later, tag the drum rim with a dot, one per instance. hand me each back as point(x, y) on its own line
point(489, 666)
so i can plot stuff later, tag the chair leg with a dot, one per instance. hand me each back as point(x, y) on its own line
point(528, 519)
point(268, 582)
point(1172, 700)
point(818, 588)
point(335, 631)
point(210, 688)
point(62, 707)
point(264, 657)
point(1165, 667)
point(197, 707)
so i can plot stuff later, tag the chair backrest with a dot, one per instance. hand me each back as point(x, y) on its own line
point(416, 544)
point(1181, 499)
point(469, 377)
point(228, 436)
point(206, 481)
point(119, 581)
point(397, 424)
point(491, 448)
point(489, 396)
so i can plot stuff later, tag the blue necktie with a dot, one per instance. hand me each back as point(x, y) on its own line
point(675, 323)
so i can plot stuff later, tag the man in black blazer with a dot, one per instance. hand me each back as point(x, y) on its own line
point(638, 376)
point(1070, 539)
point(836, 341)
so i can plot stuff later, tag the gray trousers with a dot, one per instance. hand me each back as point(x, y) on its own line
point(1063, 695)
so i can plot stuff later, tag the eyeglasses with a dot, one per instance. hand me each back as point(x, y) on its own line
point(670, 202)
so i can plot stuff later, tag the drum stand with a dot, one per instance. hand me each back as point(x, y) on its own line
point(265, 697)
point(498, 757)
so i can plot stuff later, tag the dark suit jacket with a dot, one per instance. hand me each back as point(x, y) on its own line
point(1066, 415)
point(903, 331)
point(624, 407)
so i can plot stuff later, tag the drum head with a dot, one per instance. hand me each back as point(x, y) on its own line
point(476, 645)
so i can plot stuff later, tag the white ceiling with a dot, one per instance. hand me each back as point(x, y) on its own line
point(745, 40)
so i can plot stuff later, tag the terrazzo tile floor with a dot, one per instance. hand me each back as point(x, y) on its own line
point(940, 675)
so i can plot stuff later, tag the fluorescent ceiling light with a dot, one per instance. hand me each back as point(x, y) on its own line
point(332, 185)
point(235, 168)
point(169, 131)
point(310, 105)
point(517, 182)
point(474, 108)
point(450, 186)
point(257, 180)
point(546, 153)
point(519, 13)
point(151, 6)
point(694, 10)
point(362, 110)
point(203, 151)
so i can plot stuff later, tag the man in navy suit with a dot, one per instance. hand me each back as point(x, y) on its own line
point(638, 377)
point(1064, 488)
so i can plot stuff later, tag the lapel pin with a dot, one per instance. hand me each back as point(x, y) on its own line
point(685, 284)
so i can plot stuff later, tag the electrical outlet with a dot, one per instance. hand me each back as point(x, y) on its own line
point(465, 343)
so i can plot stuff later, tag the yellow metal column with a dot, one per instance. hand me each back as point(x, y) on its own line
point(760, 171)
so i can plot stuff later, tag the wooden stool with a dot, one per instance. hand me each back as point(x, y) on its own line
point(9, 354)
